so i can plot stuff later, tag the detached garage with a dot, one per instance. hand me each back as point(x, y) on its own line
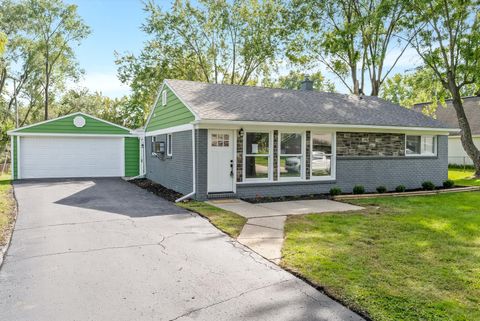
point(76, 145)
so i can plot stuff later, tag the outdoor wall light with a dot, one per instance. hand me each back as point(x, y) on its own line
point(241, 132)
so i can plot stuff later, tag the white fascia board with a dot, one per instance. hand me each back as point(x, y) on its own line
point(73, 135)
point(14, 131)
point(338, 127)
point(169, 130)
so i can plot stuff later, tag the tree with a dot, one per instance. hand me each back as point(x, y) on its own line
point(214, 41)
point(294, 79)
point(448, 40)
point(57, 26)
point(352, 38)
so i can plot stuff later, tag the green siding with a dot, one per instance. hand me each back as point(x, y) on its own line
point(15, 158)
point(65, 125)
point(173, 114)
point(132, 156)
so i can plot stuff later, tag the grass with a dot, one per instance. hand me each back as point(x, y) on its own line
point(408, 258)
point(463, 177)
point(226, 221)
point(7, 204)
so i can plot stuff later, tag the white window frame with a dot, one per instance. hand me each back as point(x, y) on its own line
point(303, 155)
point(269, 155)
point(423, 153)
point(333, 159)
point(169, 145)
point(164, 97)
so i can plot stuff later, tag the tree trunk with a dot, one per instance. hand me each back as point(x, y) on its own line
point(47, 83)
point(465, 131)
point(356, 85)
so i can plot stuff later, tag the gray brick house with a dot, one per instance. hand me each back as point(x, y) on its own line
point(210, 140)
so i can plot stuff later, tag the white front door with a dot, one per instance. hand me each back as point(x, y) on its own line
point(220, 161)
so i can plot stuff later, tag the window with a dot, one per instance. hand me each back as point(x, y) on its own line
point(291, 155)
point(257, 156)
point(155, 145)
point(321, 157)
point(164, 98)
point(220, 140)
point(420, 145)
point(169, 144)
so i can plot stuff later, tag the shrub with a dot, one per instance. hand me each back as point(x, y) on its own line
point(381, 189)
point(358, 189)
point(400, 189)
point(448, 183)
point(429, 186)
point(335, 191)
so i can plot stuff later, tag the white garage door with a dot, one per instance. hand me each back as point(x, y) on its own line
point(44, 157)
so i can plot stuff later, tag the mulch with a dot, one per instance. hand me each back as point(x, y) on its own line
point(157, 189)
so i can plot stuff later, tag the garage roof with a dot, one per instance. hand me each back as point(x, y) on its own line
point(73, 124)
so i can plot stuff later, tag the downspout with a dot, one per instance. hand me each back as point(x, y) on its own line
point(194, 170)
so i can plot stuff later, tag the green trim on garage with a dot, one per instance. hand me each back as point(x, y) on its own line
point(132, 156)
point(64, 125)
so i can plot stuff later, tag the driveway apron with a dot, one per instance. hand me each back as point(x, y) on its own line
point(104, 249)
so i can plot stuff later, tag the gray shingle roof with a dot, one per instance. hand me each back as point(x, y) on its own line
point(448, 115)
point(246, 103)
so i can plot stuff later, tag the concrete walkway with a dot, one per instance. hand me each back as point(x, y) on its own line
point(263, 231)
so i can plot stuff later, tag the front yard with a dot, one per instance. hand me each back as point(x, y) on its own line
point(7, 206)
point(406, 258)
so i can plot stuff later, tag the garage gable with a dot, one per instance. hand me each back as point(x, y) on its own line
point(77, 123)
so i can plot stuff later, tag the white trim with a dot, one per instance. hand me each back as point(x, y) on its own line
point(12, 163)
point(169, 145)
point(72, 135)
point(302, 155)
point(15, 131)
point(182, 101)
point(269, 178)
point(194, 168)
point(239, 123)
point(19, 176)
point(141, 151)
point(423, 154)
point(179, 128)
point(333, 157)
point(122, 161)
point(164, 98)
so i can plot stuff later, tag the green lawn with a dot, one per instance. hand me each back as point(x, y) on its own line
point(6, 207)
point(226, 221)
point(406, 258)
point(463, 177)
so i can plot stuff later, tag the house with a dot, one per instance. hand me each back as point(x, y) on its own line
point(214, 140)
point(75, 145)
point(447, 115)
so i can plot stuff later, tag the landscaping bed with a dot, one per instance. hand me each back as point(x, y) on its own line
point(157, 189)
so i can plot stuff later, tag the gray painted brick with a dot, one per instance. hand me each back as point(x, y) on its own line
point(173, 172)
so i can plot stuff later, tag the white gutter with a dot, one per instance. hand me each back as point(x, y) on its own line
point(194, 171)
point(316, 125)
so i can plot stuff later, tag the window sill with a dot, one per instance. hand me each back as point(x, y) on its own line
point(290, 182)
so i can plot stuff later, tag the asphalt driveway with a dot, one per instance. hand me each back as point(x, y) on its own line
point(104, 249)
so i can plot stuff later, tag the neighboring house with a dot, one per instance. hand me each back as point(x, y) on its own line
point(447, 115)
point(212, 140)
point(75, 145)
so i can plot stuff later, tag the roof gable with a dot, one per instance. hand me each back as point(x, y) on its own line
point(65, 125)
point(174, 113)
point(447, 114)
point(257, 104)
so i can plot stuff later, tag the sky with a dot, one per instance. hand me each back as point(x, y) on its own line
point(116, 26)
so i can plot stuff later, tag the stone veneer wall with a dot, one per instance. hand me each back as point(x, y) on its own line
point(239, 157)
point(275, 155)
point(370, 144)
point(307, 155)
